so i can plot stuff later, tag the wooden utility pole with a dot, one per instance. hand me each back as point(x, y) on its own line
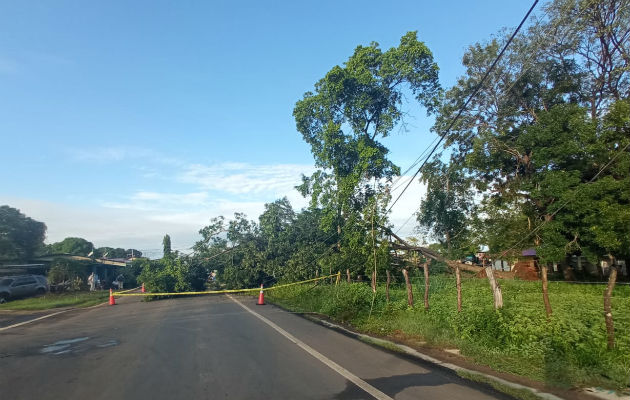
point(374, 281)
point(458, 278)
point(496, 289)
point(387, 284)
point(409, 288)
point(545, 290)
point(610, 327)
point(426, 284)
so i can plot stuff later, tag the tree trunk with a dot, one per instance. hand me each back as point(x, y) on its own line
point(545, 291)
point(610, 328)
point(338, 237)
point(374, 281)
point(426, 285)
point(348, 275)
point(496, 289)
point(387, 284)
point(458, 279)
point(409, 289)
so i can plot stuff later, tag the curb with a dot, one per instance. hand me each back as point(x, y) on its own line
point(384, 343)
point(455, 368)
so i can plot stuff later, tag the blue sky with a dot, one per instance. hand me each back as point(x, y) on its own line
point(122, 121)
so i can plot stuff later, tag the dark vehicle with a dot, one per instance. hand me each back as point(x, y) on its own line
point(13, 287)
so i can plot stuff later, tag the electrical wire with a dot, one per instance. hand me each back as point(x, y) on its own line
point(472, 95)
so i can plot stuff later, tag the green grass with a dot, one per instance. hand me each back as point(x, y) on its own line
point(521, 394)
point(385, 345)
point(568, 350)
point(53, 300)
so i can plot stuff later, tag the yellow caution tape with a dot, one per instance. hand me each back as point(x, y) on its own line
point(126, 292)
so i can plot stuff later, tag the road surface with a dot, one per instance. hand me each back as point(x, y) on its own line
point(210, 347)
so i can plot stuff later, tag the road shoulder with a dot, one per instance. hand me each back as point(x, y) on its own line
point(458, 364)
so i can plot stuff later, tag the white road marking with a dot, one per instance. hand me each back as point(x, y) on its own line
point(33, 320)
point(374, 392)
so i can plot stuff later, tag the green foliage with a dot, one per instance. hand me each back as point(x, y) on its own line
point(521, 394)
point(542, 143)
point(56, 300)
point(351, 109)
point(170, 275)
point(75, 272)
point(347, 301)
point(569, 349)
point(447, 207)
point(71, 245)
point(284, 246)
point(21, 237)
point(119, 252)
point(166, 244)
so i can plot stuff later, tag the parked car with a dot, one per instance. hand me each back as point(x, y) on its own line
point(13, 287)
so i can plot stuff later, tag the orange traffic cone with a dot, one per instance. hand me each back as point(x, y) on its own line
point(143, 291)
point(112, 301)
point(261, 297)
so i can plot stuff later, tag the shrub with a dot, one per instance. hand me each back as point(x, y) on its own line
point(170, 275)
point(74, 273)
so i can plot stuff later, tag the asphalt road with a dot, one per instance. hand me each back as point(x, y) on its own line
point(207, 348)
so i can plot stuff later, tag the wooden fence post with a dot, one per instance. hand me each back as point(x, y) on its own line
point(409, 289)
point(496, 289)
point(458, 278)
point(610, 328)
point(348, 275)
point(374, 281)
point(545, 290)
point(426, 284)
point(387, 284)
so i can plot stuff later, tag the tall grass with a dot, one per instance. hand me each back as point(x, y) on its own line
point(569, 349)
point(53, 300)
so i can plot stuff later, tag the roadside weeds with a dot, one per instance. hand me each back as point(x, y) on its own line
point(516, 390)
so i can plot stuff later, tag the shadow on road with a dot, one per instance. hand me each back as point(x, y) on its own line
point(392, 385)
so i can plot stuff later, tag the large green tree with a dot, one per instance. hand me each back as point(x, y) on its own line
point(72, 245)
point(21, 237)
point(542, 142)
point(343, 120)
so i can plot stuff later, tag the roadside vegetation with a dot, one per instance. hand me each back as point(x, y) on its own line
point(538, 159)
point(57, 300)
point(569, 349)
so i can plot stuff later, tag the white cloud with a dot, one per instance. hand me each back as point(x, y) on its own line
point(152, 201)
point(111, 154)
point(141, 218)
point(407, 205)
point(104, 226)
point(241, 178)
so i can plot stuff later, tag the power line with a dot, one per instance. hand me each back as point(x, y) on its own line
point(461, 110)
